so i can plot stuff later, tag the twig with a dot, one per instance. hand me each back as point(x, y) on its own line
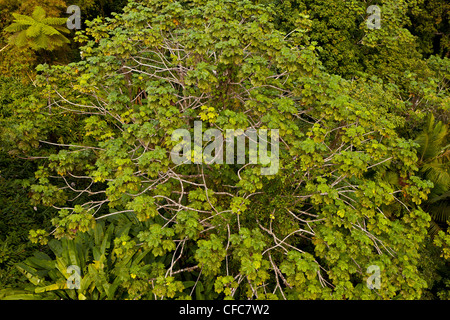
point(4, 47)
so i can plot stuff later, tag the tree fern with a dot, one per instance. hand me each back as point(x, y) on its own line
point(38, 31)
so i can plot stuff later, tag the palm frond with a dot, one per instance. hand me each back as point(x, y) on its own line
point(440, 197)
point(434, 166)
point(434, 228)
point(431, 139)
point(437, 172)
point(440, 211)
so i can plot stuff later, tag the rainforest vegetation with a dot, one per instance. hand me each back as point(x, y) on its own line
point(93, 207)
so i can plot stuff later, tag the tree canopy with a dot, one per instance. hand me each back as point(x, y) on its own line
point(363, 157)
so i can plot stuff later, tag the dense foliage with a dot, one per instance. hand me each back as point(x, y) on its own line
point(87, 130)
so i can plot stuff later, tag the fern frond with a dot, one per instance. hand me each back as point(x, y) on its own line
point(34, 30)
point(20, 18)
point(41, 42)
point(61, 29)
point(50, 31)
point(38, 13)
point(19, 39)
point(54, 21)
point(38, 31)
point(16, 27)
point(60, 39)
